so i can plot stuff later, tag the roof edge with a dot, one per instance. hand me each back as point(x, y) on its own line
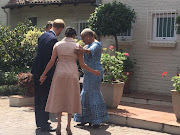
point(45, 4)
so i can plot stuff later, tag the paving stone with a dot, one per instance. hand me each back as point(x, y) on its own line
point(21, 121)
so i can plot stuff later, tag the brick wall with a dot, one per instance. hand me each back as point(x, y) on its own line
point(151, 61)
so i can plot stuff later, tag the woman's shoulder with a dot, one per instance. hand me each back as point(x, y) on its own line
point(97, 44)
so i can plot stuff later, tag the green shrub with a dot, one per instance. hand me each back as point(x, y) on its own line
point(29, 45)
point(7, 90)
point(113, 66)
point(17, 46)
point(176, 82)
point(8, 78)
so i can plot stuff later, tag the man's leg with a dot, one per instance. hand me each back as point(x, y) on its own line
point(44, 115)
point(44, 88)
point(37, 102)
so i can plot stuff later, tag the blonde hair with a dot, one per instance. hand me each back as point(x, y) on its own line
point(95, 36)
point(58, 23)
point(87, 31)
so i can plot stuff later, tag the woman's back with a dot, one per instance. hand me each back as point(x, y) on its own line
point(65, 49)
point(66, 57)
point(64, 95)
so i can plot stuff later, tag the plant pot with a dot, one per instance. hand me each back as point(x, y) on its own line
point(19, 101)
point(112, 93)
point(175, 102)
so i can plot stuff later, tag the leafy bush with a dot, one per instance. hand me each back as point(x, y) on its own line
point(6, 90)
point(8, 78)
point(176, 82)
point(175, 79)
point(25, 81)
point(113, 66)
point(29, 45)
point(16, 50)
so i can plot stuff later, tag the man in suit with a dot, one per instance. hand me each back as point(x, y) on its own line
point(45, 46)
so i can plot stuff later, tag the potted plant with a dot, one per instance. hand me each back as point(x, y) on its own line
point(113, 77)
point(25, 81)
point(175, 94)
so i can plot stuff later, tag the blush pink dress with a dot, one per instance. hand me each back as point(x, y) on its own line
point(64, 95)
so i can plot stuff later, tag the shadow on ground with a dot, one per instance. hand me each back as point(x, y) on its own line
point(38, 132)
point(96, 131)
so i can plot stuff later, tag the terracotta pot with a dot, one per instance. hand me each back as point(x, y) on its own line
point(112, 93)
point(175, 102)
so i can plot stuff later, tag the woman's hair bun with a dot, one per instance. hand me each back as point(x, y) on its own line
point(70, 31)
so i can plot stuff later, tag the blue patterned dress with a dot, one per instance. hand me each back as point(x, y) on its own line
point(93, 105)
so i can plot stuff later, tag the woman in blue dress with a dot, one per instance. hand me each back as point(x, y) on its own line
point(93, 106)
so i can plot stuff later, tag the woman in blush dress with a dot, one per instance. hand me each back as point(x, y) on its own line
point(64, 95)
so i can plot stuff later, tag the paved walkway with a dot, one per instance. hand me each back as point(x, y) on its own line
point(21, 121)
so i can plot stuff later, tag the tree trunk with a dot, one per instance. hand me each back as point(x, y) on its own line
point(115, 36)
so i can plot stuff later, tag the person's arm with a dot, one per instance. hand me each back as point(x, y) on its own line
point(85, 67)
point(82, 50)
point(92, 50)
point(49, 65)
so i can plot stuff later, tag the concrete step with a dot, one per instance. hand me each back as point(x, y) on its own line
point(151, 117)
point(147, 98)
point(145, 101)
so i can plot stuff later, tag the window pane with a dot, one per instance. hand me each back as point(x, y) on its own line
point(127, 33)
point(33, 20)
point(83, 26)
point(165, 27)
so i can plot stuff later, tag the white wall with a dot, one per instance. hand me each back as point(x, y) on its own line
point(69, 13)
point(3, 15)
point(151, 61)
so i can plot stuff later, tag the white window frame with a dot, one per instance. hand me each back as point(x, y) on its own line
point(78, 23)
point(155, 17)
point(125, 38)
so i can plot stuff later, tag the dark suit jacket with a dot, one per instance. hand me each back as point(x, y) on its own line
point(45, 46)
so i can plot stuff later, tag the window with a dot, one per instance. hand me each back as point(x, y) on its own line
point(126, 35)
point(160, 30)
point(33, 20)
point(80, 27)
point(164, 27)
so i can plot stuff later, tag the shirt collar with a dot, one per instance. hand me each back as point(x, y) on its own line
point(53, 32)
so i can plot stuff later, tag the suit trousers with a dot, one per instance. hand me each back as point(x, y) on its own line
point(40, 96)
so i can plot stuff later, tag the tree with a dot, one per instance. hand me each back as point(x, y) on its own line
point(111, 19)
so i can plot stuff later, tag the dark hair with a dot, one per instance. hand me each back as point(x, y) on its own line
point(69, 32)
point(49, 23)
